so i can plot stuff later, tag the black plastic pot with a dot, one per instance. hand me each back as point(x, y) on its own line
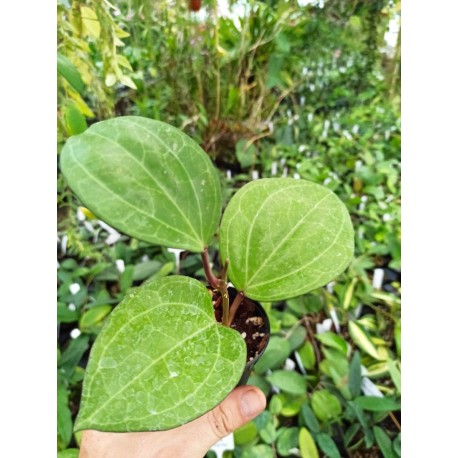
point(249, 366)
point(264, 328)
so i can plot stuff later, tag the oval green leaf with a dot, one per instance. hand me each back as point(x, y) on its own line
point(361, 339)
point(297, 337)
point(160, 361)
point(332, 340)
point(325, 405)
point(328, 446)
point(308, 417)
point(288, 381)
point(307, 355)
point(354, 375)
point(74, 121)
point(307, 445)
point(93, 317)
point(285, 237)
point(384, 442)
point(291, 405)
point(395, 374)
point(146, 179)
point(66, 69)
point(288, 439)
point(376, 404)
point(245, 433)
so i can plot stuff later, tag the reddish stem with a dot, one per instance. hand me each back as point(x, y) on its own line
point(207, 269)
point(217, 302)
point(235, 305)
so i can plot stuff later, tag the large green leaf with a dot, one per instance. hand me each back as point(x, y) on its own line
point(147, 179)
point(160, 361)
point(284, 237)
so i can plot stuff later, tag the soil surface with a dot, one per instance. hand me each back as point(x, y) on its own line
point(249, 322)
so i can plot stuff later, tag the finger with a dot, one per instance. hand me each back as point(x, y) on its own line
point(242, 405)
point(191, 440)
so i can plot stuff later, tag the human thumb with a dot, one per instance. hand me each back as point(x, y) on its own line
point(241, 406)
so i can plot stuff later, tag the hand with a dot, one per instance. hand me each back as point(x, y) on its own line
point(191, 440)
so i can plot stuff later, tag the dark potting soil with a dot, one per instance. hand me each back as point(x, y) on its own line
point(248, 321)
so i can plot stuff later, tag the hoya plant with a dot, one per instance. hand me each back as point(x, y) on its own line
point(170, 351)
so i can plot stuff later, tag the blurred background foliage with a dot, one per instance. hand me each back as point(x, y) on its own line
point(305, 89)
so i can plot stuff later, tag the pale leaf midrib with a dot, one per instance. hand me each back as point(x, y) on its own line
point(157, 183)
point(183, 168)
point(201, 383)
point(331, 245)
point(285, 239)
point(135, 379)
point(243, 192)
point(160, 240)
point(250, 231)
point(116, 425)
point(138, 315)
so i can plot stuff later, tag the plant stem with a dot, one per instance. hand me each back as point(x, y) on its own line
point(235, 305)
point(224, 271)
point(217, 302)
point(222, 288)
point(218, 283)
point(310, 335)
point(207, 269)
point(395, 421)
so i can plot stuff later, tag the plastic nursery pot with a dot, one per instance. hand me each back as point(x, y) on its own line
point(252, 322)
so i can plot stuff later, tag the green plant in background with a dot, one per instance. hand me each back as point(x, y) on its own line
point(86, 28)
point(162, 359)
point(330, 122)
point(221, 81)
point(89, 63)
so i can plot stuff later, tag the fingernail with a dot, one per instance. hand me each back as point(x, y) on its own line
point(252, 403)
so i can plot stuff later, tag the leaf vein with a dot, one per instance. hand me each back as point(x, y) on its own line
point(164, 190)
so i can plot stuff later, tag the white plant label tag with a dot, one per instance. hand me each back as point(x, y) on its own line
point(226, 443)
